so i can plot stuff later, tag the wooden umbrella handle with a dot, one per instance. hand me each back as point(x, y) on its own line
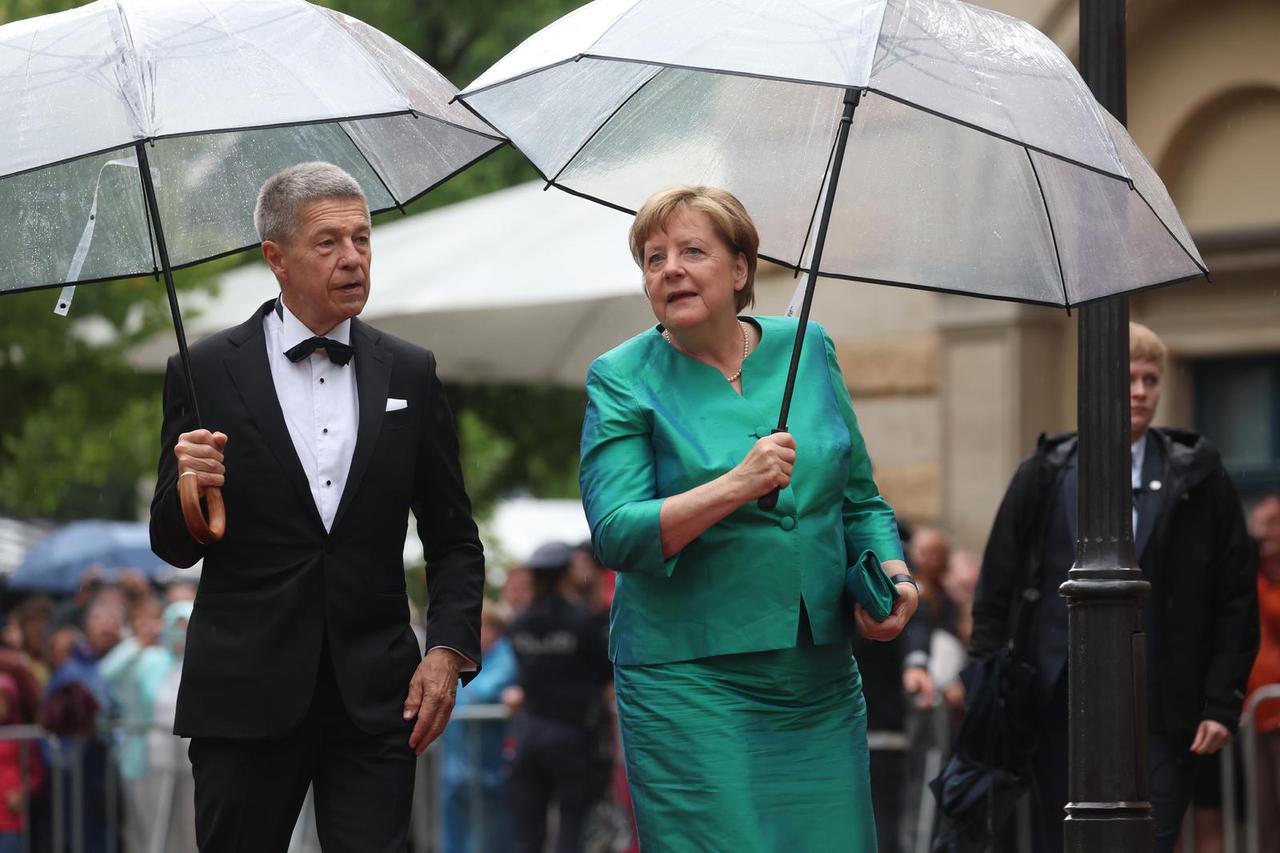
point(204, 532)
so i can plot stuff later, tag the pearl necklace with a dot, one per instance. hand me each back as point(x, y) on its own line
point(746, 345)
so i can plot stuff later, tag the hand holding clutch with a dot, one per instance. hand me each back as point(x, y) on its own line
point(867, 584)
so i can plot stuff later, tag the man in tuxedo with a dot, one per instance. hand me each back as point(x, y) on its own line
point(1201, 614)
point(301, 666)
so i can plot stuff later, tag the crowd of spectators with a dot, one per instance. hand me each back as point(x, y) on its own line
point(98, 672)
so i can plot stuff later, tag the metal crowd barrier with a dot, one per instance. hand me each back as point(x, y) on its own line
point(66, 831)
point(65, 828)
point(1231, 802)
point(427, 822)
point(1249, 748)
point(65, 790)
point(37, 735)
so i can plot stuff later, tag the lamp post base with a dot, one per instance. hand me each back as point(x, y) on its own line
point(1109, 830)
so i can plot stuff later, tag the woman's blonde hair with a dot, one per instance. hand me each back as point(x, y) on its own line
point(1145, 345)
point(729, 218)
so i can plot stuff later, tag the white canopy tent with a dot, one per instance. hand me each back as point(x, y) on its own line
point(518, 526)
point(519, 285)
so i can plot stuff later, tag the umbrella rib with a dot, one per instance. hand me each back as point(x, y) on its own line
point(461, 97)
point(155, 271)
point(817, 202)
point(496, 136)
point(1001, 136)
point(127, 146)
point(1053, 235)
point(1203, 269)
point(601, 126)
point(372, 168)
point(302, 122)
point(702, 69)
point(457, 171)
point(892, 282)
point(243, 129)
point(705, 70)
point(996, 296)
point(597, 199)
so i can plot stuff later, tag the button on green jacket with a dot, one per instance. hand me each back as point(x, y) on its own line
point(659, 423)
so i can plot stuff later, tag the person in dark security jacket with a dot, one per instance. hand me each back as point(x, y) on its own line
point(1201, 614)
point(563, 665)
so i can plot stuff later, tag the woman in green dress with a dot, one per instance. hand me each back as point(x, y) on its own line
point(742, 715)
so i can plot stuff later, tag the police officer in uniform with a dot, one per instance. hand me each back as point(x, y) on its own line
point(564, 671)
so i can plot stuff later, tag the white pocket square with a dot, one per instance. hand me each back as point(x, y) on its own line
point(394, 404)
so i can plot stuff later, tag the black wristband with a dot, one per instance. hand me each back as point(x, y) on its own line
point(903, 577)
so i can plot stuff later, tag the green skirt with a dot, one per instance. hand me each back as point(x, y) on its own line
point(750, 753)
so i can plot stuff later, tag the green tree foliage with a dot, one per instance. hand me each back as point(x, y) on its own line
point(518, 438)
point(16, 10)
point(461, 40)
point(79, 427)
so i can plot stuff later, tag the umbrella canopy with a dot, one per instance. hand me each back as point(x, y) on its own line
point(57, 561)
point(978, 161)
point(138, 132)
point(225, 94)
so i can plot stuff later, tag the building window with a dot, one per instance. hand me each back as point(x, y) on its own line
point(1237, 404)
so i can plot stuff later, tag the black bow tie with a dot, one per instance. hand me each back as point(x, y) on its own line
point(338, 352)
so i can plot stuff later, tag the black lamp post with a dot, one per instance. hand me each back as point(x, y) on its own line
point(1109, 805)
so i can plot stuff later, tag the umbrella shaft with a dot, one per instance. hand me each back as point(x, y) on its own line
point(851, 98)
point(153, 211)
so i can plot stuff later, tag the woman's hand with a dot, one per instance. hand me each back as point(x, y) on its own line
point(766, 467)
point(903, 609)
point(686, 516)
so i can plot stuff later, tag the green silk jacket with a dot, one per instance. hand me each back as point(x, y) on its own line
point(659, 423)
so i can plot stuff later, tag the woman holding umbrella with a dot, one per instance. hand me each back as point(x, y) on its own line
point(741, 706)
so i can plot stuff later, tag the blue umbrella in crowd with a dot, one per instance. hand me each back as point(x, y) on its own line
point(136, 134)
point(56, 563)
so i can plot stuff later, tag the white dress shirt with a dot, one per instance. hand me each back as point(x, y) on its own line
point(1137, 453)
point(320, 406)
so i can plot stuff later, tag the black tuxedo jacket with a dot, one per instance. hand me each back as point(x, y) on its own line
point(278, 587)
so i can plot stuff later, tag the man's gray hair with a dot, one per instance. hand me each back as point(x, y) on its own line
point(285, 194)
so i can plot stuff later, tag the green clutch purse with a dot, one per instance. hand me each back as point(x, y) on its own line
point(868, 585)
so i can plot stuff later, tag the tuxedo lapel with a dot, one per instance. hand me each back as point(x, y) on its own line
point(373, 378)
point(251, 374)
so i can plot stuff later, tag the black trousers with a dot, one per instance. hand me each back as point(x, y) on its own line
point(553, 760)
point(1169, 763)
point(249, 792)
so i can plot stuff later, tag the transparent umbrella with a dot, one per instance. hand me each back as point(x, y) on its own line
point(137, 133)
point(921, 143)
